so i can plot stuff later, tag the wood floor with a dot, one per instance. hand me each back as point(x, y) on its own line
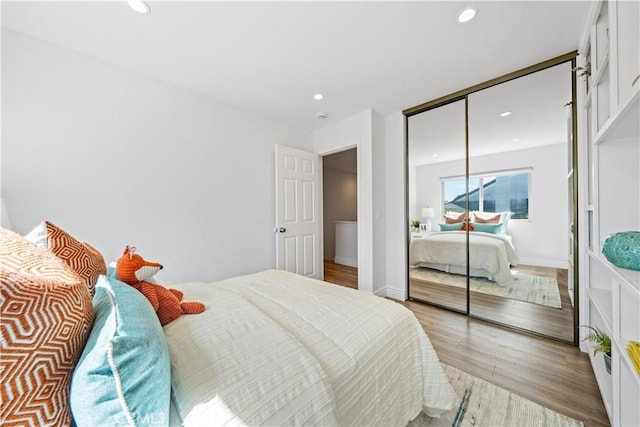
point(555, 322)
point(340, 274)
point(552, 374)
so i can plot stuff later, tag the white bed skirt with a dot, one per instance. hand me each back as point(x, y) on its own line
point(456, 269)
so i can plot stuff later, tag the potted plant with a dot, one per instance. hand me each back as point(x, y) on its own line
point(602, 343)
point(416, 225)
point(584, 71)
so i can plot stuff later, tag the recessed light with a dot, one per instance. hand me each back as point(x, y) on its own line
point(467, 14)
point(139, 6)
point(434, 155)
point(321, 115)
point(505, 114)
point(516, 139)
point(318, 96)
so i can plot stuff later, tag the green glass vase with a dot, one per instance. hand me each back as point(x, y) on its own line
point(623, 249)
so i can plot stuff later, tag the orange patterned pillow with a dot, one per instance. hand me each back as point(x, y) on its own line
point(486, 218)
point(82, 257)
point(47, 315)
point(453, 219)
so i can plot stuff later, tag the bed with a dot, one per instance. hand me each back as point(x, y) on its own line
point(272, 348)
point(490, 255)
point(323, 355)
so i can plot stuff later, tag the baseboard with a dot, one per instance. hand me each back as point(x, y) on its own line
point(346, 261)
point(539, 262)
point(584, 347)
point(381, 292)
point(396, 293)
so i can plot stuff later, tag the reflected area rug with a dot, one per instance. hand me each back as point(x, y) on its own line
point(481, 403)
point(540, 290)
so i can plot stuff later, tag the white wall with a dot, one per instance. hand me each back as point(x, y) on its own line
point(396, 222)
point(379, 180)
point(357, 131)
point(339, 190)
point(542, 240)
point(117, 158)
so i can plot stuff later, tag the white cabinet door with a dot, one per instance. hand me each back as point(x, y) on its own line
point(298, 211)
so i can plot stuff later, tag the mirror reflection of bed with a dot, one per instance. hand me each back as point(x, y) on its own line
point(529, 297)
point(504, 196)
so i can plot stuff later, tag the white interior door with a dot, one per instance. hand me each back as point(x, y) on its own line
point(298, 211)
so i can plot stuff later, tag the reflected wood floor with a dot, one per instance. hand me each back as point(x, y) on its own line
point(552, 374)
point(556, 322)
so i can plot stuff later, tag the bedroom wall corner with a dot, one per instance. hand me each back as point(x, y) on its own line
point(395, 191)
point(379, 203)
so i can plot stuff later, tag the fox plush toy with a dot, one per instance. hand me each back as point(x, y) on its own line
point(132, 269)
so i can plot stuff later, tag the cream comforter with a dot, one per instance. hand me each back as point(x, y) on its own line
point(275, 348)
point(491, 252)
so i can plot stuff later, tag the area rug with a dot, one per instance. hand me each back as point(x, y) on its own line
point(481, 403)
point(540, 290)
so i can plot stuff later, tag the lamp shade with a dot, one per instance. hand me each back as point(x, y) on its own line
point(428, 213)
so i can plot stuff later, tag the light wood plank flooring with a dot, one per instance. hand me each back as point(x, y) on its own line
point(555, 322)
point(339, 274)
point(552, 374)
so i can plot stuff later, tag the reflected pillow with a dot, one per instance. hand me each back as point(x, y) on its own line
point(451, 227)
point(504, 220)
point(452, 218)
point(487, 228)
point(490, 218)
point(487, 218)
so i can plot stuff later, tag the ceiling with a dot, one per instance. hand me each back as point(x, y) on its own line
point(270, 58)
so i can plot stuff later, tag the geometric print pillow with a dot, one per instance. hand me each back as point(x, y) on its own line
point(81, 257)
point(46, 318)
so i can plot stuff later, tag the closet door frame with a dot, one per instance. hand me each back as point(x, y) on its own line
point(463, 95)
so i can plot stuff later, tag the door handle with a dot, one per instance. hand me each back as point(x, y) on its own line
point(282, 230)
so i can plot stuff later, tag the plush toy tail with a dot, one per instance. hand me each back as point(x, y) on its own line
point(177, 293)
point(192, 307)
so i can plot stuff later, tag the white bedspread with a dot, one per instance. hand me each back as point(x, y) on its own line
point(491, 252)
point(275, 348)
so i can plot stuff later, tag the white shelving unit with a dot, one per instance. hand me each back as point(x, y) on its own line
point(609, 194)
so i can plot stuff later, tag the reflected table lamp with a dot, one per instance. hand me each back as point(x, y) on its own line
point(428, 213)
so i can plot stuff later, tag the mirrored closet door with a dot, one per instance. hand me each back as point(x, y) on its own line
point(437, 148)
point(489, 183)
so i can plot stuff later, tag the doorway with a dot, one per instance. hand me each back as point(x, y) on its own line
point(340, 217)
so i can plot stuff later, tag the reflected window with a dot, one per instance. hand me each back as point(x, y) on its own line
point(498, 192)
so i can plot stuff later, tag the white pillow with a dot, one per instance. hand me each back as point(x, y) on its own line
point(504, 220)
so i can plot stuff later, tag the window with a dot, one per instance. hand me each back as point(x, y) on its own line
point(498, 192)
